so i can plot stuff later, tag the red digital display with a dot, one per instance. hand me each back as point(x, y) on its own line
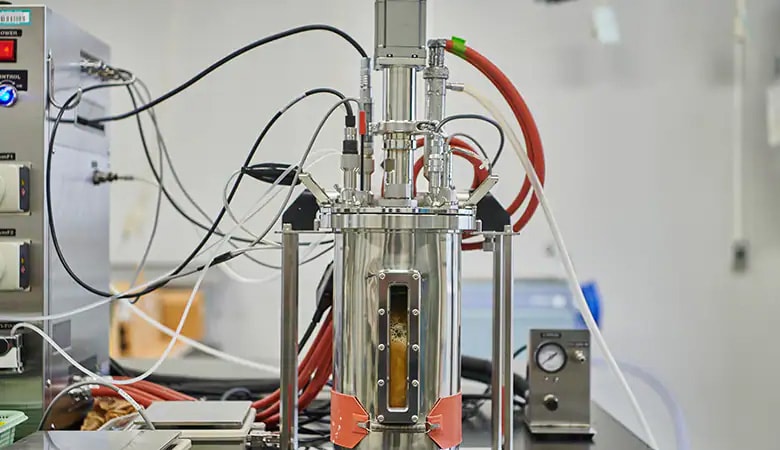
point(7, 50)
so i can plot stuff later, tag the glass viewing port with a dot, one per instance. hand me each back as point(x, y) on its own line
point(399, 346)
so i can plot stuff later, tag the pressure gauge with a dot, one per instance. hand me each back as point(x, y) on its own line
point(550, 357)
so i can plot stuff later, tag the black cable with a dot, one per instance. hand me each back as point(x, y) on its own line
point(178, 271)
point(228, 58)
point(484, 119)
point(227, 256)
point(519, 351)
point(271, 172)
point(476, 144)
point(240, 176)
point(50, 210)
point(324, 297)
point(481, 370)
point(168, 196)
point(47, 188)
point(177, 179)
point(167, 193)
point(156, 176)
point(487, 396)
point(307, 335)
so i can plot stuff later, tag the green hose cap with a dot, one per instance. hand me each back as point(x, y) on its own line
point(459, 46)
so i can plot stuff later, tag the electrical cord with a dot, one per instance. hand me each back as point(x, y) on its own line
point(101, 382)
point(184, 315)
point(479, 146)
point(227, 256)
point(180, 268)
point(519, 351)
point(89, 307)
point(248, 161)
point(180, 184)
point(48, 171)
point(198, 283)
point(283, 177)
point(156, 220)
point(168, 195)
point(176, 206)
point(230, 57)
point(160, 360)
point(177, 333)
point(500, 130)
point(161, 143)
point(174, 173)
point(302, 162)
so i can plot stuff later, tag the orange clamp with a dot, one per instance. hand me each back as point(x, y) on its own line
point(347, 420)
point(445, 420)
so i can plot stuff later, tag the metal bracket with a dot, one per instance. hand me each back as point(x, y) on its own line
point(11, 354)
point(315, 188)
point(384, 413)
point(482, 190)
point(51, 89)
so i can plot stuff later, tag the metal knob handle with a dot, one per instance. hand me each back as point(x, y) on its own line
point(551, 402)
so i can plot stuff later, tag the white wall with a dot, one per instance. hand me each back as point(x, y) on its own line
point(638, 145)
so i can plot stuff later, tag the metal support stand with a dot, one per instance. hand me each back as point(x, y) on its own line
point(502, 376)
point(288, 423)
point(498, 307)
point(508, 374)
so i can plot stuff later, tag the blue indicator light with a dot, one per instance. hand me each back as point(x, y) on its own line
point(8, 96)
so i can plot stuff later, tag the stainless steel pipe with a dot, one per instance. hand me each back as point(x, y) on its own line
point(400, 105)
point(288, 422)
point(507, 287)
point(400, 96)
point(496, 435)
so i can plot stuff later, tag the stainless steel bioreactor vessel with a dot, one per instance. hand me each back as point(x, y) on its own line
point(46, 52)
point(397, 272)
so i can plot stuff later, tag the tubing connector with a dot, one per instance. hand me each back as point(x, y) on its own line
point(350, 161)
point(456, 87)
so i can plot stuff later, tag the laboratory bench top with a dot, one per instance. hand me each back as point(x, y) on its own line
point(610, 433)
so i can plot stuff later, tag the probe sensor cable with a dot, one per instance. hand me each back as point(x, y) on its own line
point(230, 57)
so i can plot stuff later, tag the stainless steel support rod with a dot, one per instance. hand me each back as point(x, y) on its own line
point(508, 373)
point(289, 371)
point(498, 307)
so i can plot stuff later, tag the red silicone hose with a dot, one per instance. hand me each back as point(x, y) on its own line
point(525, 120)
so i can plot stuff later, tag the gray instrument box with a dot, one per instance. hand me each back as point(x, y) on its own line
point(40, 57)
point(558, 401)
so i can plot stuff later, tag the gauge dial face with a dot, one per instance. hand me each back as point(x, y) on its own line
point(550, 357)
